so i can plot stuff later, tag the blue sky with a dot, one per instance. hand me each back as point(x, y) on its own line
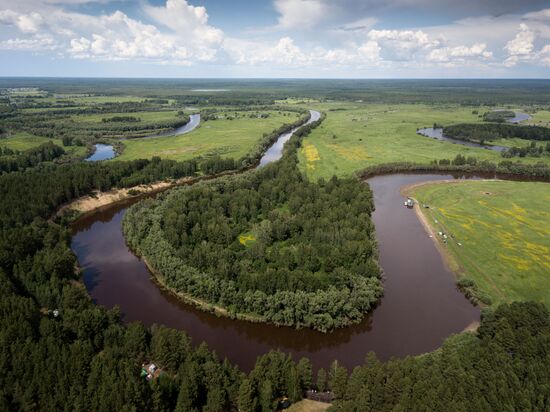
point(275, 38)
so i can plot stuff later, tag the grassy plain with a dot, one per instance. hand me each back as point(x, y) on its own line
point(540, 118)
point(355, 136)
point(23, 141)
point(227, 138)
point(504, 231)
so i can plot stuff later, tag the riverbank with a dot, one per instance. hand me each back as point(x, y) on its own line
point(97, 200)
point(200, 304)
point(448, 259)
point(497, 233)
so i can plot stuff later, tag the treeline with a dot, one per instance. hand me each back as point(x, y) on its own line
point(21, 160)
point(531, 150)
point(482, 132)
point(471, 165)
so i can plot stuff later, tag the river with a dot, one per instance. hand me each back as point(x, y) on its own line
point(420, 308)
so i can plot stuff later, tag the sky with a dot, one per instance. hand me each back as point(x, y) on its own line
point(276, 38)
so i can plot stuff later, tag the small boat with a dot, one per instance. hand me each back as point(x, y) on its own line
point(409, 203)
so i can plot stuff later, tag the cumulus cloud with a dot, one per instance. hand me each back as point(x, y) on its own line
point(522, 44)
point(186, 20)
point(187, 35)
point(522, 49)
point(338, 33)
point(401, 44)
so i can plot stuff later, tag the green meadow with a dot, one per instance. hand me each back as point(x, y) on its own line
point(355, 136)
point(498, 234)
point(22, 141)
point(224, 137)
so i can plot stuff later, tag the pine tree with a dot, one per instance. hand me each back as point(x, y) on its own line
point(338, 380)
point(246, 400)
point(266, 396)
point(305, 373)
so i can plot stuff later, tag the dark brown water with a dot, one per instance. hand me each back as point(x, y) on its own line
point(420, 308)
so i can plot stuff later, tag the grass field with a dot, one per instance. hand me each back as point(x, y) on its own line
point(504, 231)
point(540, 118)
point(227, 138)
point(23, 141)
point(355, 136)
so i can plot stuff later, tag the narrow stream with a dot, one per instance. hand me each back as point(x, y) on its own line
point(420, 308)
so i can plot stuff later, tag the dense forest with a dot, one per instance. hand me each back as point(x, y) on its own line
point(295, 271)
point(11, 161)
point(483, 132)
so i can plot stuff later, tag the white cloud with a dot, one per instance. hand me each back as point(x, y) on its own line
point(370, 50)
point(401, 45)
point(25, 22)
point(117, 36)
point(461, 53)
point(544, 56)
point(283, 52)
point(186, 20)
point(522, 44)
point(36, 44)
point(300, 14)
point(522, 48)
point(178, 33)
